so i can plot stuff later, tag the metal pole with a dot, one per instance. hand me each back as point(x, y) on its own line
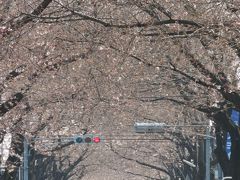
point(207, 151)
point(197, 146)
point(25, 160)
point(19, 173)
point(220, 174)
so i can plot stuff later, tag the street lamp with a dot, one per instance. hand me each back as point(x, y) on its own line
point(189, 163)
point(227, 177)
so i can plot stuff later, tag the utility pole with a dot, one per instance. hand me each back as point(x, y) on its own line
point(207, 150)
point(25, 159)
point(159, 127)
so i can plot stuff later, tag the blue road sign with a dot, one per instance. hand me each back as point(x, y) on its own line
point(235, 116)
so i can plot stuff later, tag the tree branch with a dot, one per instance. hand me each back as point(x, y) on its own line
point(28, 18)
